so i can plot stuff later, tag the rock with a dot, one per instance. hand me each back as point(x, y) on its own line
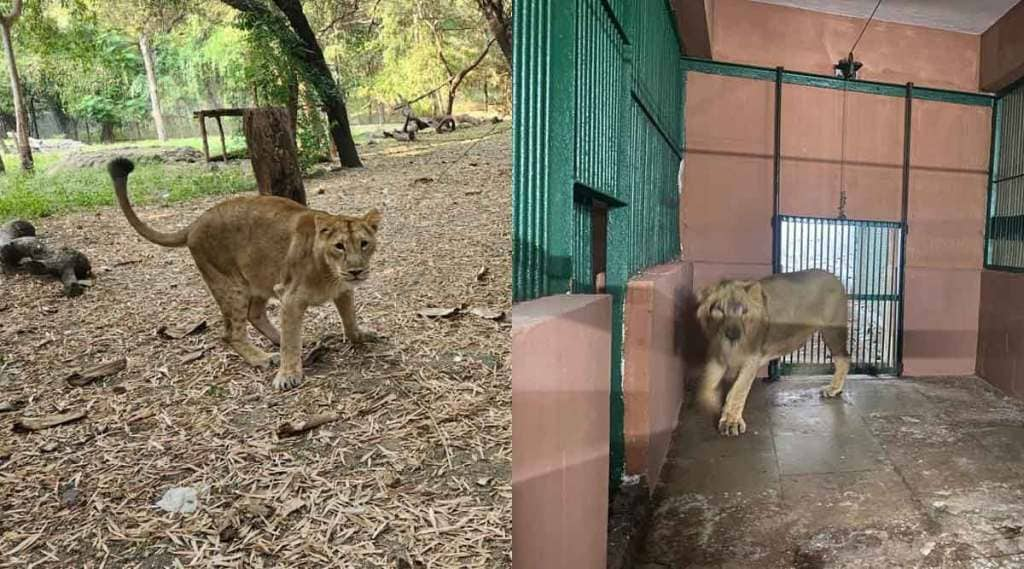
point(179, 499)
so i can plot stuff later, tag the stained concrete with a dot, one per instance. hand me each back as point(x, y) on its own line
point(895, 473)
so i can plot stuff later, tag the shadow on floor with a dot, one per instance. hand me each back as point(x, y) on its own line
point(895, 473)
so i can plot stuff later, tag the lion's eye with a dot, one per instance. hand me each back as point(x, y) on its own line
point(364, 244)
point(339, 246)
point(743, 310)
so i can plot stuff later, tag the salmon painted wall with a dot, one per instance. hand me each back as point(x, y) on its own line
point(727, 193)
point(1001, 339)
point(1002, 51)
point(802, 40)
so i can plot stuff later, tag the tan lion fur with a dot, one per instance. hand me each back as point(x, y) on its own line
point(253, 248)
point(749, 323)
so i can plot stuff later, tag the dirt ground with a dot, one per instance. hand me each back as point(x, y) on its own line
point(416, 473)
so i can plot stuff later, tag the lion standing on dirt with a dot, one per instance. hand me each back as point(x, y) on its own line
point(749, 323)
point(253, 248)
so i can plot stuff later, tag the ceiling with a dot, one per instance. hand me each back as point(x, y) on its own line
point(969, 16)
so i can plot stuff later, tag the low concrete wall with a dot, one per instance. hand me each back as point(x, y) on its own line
point(561, 377)
point(1001, 331)
point(652, 382)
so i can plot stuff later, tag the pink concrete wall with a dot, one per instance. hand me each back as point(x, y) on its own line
point(802, 40)
point(561, 352)
point(1001, 339)
point(653, 362)
point(1002, 51)
point(727, 193)
point(946, 217)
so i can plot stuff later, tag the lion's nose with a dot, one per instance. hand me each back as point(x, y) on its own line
point(732, 333)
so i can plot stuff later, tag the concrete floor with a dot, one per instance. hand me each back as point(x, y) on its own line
point(897, 473)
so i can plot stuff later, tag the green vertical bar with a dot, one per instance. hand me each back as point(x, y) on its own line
point(543, 147)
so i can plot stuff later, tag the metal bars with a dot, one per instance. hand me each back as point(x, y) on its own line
point(867, 257)
point(1004, 242)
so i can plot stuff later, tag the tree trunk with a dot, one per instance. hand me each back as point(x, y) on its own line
point(20, 116)
point(107, 132)
point(317, 72)
point(501, 26)
point(323, 82)
point(33, 117)
point(293, 104)
point(154, 94)
point(275, 159)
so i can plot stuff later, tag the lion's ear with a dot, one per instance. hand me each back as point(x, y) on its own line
point(754, 289)
point(703, 293)
point(372, 218)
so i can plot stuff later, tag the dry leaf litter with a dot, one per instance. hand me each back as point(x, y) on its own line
point(408, 463)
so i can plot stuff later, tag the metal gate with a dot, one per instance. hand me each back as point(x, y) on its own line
point(866, 256)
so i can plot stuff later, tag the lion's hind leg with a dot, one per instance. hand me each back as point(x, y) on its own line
point(233, 301)
point(835, 338)
point(258, 318)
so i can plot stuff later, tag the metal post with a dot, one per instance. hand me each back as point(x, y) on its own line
point(907, 126)
point(773, 367)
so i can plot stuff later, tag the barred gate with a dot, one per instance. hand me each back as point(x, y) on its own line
point(598, 134)
point(865, 255)
point(1004, 243)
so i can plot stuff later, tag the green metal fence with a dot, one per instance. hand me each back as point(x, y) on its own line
point(598, 132)
point(1004, 242)
point(867, 257)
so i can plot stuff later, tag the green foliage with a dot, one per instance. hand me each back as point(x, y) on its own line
point(82, 58)
point(43, 194)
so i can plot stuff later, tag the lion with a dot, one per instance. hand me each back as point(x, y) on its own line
point(749, 323)
point(253, 248)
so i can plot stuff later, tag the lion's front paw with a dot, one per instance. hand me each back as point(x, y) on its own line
point(829, 392)
point(363, 336)
point(731, 425)
point(287, 380)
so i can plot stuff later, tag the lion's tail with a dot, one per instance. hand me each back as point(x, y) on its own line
point(119, 169)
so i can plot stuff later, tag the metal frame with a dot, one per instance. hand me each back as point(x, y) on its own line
point(817, 245)
point(908, 92)
point(999, 118)
point(827, 82)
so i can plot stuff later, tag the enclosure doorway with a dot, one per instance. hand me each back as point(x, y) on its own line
point(866, 256)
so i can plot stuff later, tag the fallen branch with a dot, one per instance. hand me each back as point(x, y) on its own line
point(26, 424)
point(87, 376)
point(22, 251)
point(298, 427)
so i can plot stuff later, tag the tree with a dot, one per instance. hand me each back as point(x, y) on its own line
point(7, 21)
point(296, 38)
point(500, 23)
point(154, 91)
point(455, 78)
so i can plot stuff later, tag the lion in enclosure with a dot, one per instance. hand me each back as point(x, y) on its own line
point(253, 248)
point(749, 323)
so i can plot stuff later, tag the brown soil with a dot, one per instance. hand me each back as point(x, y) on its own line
point(416, 471)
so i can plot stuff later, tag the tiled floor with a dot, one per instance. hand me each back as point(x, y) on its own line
point(897, 473)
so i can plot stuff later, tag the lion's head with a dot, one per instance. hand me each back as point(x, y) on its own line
point(347, 243)
point(730, 311)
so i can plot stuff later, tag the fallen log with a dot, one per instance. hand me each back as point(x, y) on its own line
point(22, 251)
point(444, 124)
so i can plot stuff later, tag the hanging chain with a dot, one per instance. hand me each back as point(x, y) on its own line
point(842, 160)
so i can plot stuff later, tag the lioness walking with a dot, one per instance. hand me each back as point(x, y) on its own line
point(749, 323)
point(252, 248)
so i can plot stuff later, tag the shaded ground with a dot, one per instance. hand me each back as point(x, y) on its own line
point(418, 469)
point(895, 473)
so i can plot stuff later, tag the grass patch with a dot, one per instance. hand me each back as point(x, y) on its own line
point(41, 194)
